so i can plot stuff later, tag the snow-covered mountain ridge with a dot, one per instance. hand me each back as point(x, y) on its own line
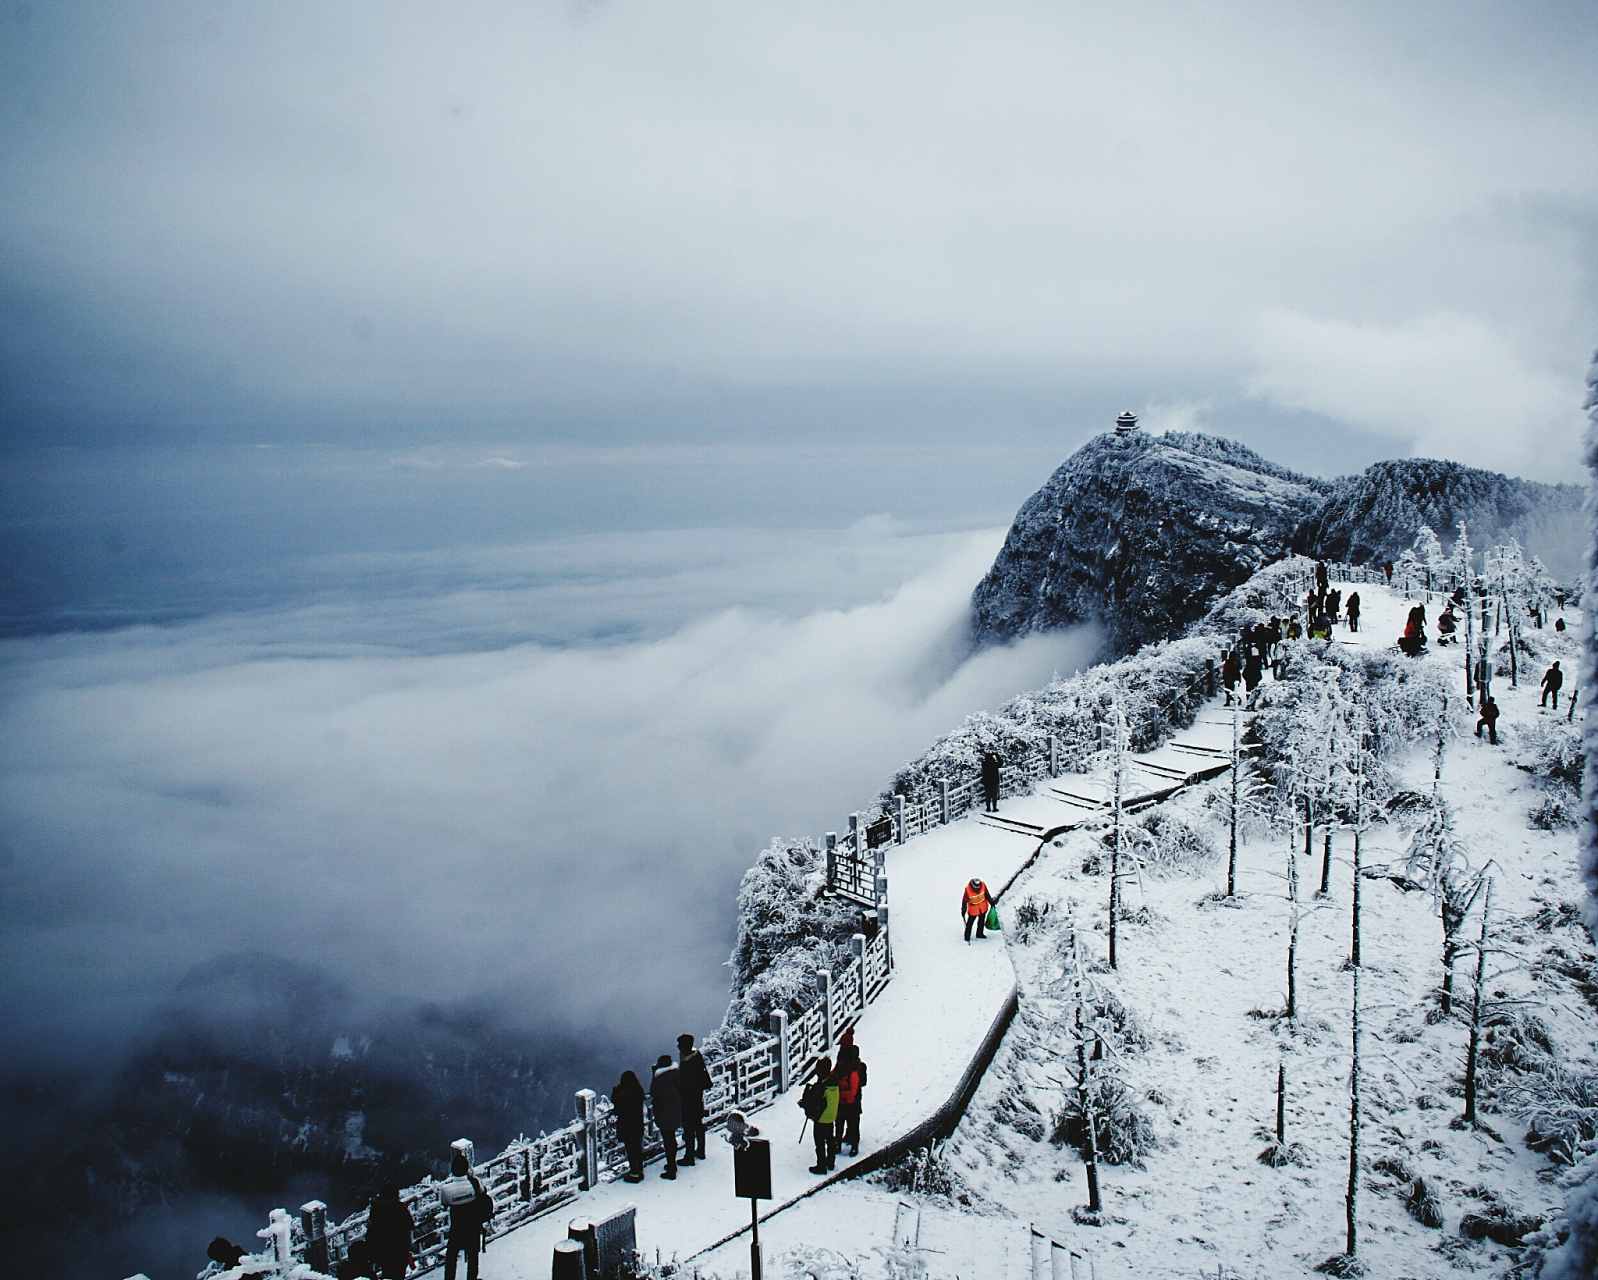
point(1140, 533)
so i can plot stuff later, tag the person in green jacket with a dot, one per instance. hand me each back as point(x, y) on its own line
point(820, 1103)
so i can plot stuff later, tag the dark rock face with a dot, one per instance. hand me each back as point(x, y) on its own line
point(1140, 534)
point(1373, 517)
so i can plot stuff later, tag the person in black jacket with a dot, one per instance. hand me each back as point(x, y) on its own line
point(1553, 682)
point(990, 782)
point(693, 1078)
point(628, 1100)
point(471, 1209)
point(388, 1233)
point(1352, 610)
point(665, 1092)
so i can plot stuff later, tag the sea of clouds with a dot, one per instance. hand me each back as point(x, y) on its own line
point(397, 790)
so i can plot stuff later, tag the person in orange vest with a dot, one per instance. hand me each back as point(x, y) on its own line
point(974, 907)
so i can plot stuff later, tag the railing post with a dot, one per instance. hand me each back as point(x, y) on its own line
point(832, 859)
point(779, 1028)
point(879, 880)
point(824, 976)
point(857, 944)
point(1054, 756)
point(588, 1113)
point(943, 801)
point(463, 1146)
point(857, 837)
point(882, 928)
point(898, 818)
point(279, 1232)
point(313, 1221)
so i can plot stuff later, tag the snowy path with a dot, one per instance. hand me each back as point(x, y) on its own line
point(919, 1039)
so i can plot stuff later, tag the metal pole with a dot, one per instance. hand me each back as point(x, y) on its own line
point(754, 1245)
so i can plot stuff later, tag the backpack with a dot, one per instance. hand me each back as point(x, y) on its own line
point(456, 1190)
point(813, 1101)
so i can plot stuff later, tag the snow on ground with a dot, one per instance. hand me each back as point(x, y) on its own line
point(917, 1040)
point(1196, 975)
point(1193, 972)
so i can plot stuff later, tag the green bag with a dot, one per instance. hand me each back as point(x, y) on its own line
point(993, 919)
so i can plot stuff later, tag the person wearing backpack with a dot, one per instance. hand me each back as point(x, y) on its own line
point(693, 1080)
point(819, 1102)
point(665, 1092)
point(471, 1209)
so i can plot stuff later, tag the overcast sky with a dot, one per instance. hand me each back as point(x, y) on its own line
point(512, 224)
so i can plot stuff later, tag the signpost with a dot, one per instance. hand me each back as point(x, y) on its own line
point(751, 1172)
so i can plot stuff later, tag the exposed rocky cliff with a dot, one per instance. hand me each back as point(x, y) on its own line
point(1374, 516)
point(1140, 533)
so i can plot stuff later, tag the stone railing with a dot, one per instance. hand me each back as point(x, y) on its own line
point(534, 1175)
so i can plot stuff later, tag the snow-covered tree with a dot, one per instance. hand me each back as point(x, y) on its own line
point(1429, 557)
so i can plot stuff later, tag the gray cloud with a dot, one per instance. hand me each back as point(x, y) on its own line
point(641, 224)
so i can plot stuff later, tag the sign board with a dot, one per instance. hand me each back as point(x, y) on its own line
point(879, 833)
point(751, 1170)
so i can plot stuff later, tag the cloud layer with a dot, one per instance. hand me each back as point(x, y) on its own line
point(555, 832)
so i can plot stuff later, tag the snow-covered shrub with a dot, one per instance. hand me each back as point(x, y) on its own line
point(1550, 747)
point(1559, 1107)
point(1514, 1041)
point(787, 929)
point(1032, 916)
point(1174, 845)
point(1122, 1132)
point(926, 1171)
point(1552, 813)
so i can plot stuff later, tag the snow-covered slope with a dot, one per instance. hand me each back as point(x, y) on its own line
point(1139, 533)
point(1374, 516)
point(1195, 1032)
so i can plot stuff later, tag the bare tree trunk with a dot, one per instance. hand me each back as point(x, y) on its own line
point(1231, 857)
point(1092, 1162)
point(1326, 866)
point(1475, 1010)
point(1292, 934)
point(1352, 1201)
point(1281, 1104)
point(1115, 852)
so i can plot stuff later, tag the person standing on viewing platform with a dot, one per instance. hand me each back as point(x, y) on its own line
point(851, 1075)
point(628, 1100)
point(388, 1233)
point(820, 1102)
point(990, 782)
point(665, 1092)
point(693, 1079)
point(974, 907)
point(471, 1209)
point(1352, 609)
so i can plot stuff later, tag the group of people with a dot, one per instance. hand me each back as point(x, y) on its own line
point(677, 1097)
point(1324, 606)
point(831, 1103)
point(1258, 646)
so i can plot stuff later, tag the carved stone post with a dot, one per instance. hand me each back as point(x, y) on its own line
point(824, 976)
point(898, 818)
point(465, 1148)
point(832, 859)
point(588, 1113)
point(882, 927)
point(1054, 756)
point(943, 801)
point(313, 1221)
point(779, 1028)
point(857, 944)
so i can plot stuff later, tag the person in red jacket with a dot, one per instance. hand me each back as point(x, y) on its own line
point(851, 1075)
point(974, 907)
